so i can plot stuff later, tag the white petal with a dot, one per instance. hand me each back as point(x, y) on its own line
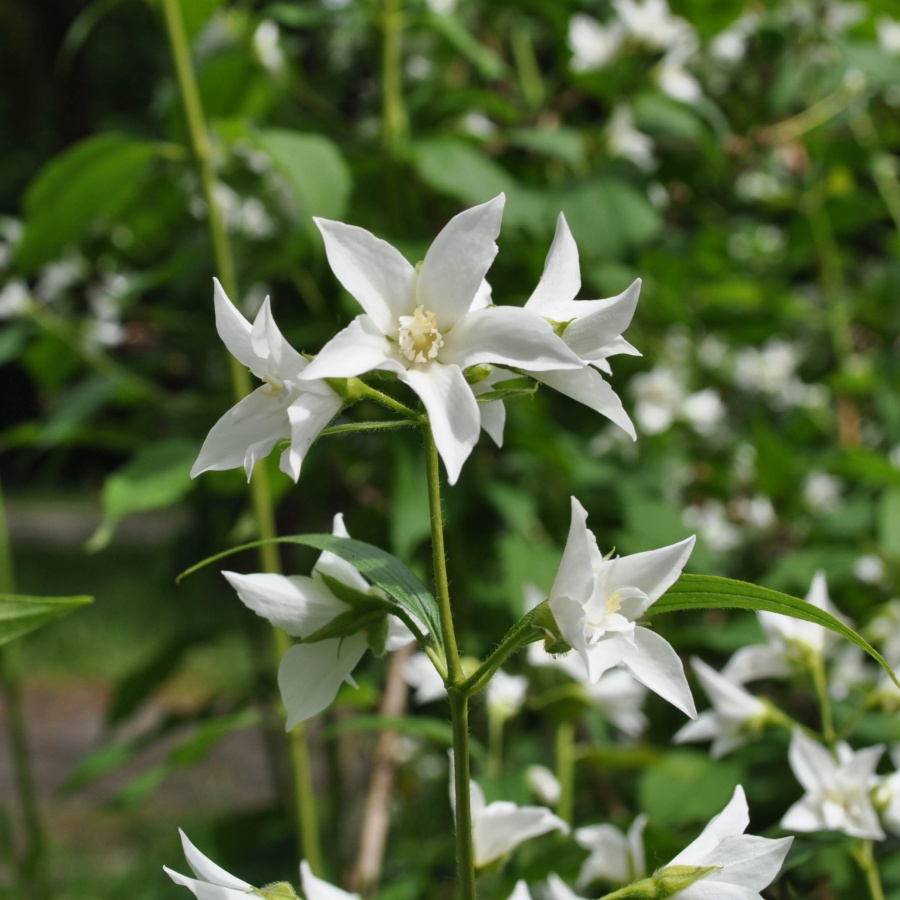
point(705, 728)
point(575, 576)
point(588, 386)
point(206, 870)
point(733, 820)
point(813, 765)
point(508, 336)
point(335, 567)
point(234, 330)
point(653, 571)
point(596, 330)
point(655, 664)
point(297, 604)
point(307, 416)
point(452, 412)
point(803, 816)
point(520, 892)
point(317, 889)
point(204, 891)
point(609, 859)
point(502, 826)
point(310, 674)
point(361, 347)
point(270, 345)
point(748, 860)
point(245, 434)
point(456, 263)
point(373, 271)
point(561, 278)
point(754, 662)
point(557, 889)
point(728, 698)
point(493, 420)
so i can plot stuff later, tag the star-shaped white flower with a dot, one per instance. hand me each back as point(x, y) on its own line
point(499, 827)
point(283, 408)
point(311, 674)
point(591, 329)
point(615, 857)
point(791, 641)
point(743, 864)
point(838, 789)
point(597, 601)
point(429, 323)
point(736, 715)
point(214, 883)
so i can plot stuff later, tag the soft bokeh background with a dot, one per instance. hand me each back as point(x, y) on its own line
point(740, 158)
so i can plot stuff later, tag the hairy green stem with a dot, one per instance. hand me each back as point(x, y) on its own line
point(495, 745)
point(820, 681)
point(395, 123)
point(521, 634)
point(459, 700)
point(261, 494)
point(31, 864)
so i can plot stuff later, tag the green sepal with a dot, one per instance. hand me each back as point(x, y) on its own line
point(376, 635)
point(560, 327)
point(543, 621)
point(347, 623)
point(353, 597)
point(277, 890)
point(507, 390)
point(350, 390)
point(661, 885)
point(474, 374)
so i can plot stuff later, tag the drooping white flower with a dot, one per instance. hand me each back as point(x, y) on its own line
point(543, 784)
point(499, 827)
point(428, 323)
point(283, 408)
point(736, 715)
point(838, 788)
point(311, 674)
point(615, 857)
point(597, 601)
point(791, 641)
point(741, 864)
point(591, 329)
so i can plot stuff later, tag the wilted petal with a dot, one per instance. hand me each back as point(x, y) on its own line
point(654, 663)
point(372, 271)
point(457, 261)
point(311, 674)
point(297, 604)
point(509, 336)
point(452, 412)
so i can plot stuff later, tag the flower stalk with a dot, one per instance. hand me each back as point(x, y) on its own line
point(261, 494)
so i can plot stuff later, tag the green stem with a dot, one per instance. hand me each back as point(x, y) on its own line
point(369, 393)
point(395, 122)
point(495, 745)
point(31, 865)
point(820, 681)
point(565, 770)
point(459, 700)
point(261, 494)
point(866, 861)
point(353, 427)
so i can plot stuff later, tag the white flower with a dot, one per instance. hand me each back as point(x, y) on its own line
point(735, 716)
point(730, 45)
point(710, 520)
point(660, 395)
point(284, 408)
point(888, 35)
point(311, 674)
point(742, 864)
point(543, 784)
point(506, 694)
point(615, 857)
point(626, 141)
point(593, 46)
point(214, 883)
point(791, 641)
point(887, 800)
point(428, 323)
point(499, 827)
point(821, 492)
point(838, 790)
point(421, 675)
point(673, 79)
point(557, 889)
point(591, 329)
point(596, 602)
point(652, 24)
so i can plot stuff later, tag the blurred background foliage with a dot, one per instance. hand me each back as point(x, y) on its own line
point(739, 157)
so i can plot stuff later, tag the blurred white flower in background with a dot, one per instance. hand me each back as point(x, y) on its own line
point(593, 46)
point(505, 694)
point(543, 784)
point(888, 35)
point(624, 140)
point(615, 857)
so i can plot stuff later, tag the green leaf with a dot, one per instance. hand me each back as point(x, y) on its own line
point(20, 614)
point(564, 144)
point(314, 169)
point(489, 65)
point(157, 476)
point(713, 592)
point(92, 181)
point(889, 523)
point(380, 567)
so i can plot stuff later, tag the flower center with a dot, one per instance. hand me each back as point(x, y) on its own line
point(420, 339)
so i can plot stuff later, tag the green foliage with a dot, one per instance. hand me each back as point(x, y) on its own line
point(20, 614)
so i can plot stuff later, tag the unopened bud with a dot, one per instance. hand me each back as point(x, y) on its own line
point(278, 890)
point(673, 879)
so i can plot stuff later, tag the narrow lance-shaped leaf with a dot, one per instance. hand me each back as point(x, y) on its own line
point(714, 592)
point(20, 614)
point(378, 566)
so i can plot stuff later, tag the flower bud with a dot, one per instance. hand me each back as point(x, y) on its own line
point(278, 890)
point(350, 390)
